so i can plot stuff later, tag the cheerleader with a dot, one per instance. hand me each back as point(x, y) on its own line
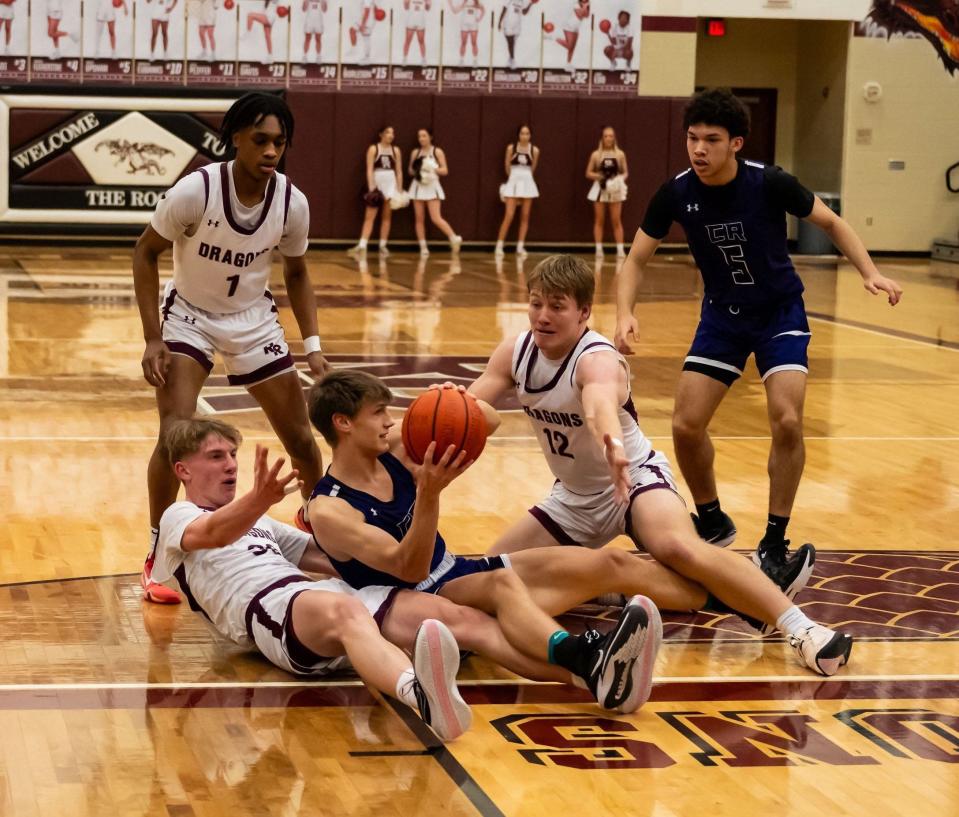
point(620, 41)
point(472, 13)
point(313, 27)
point(608, 171)
point(427, 165)
point(384, 178)
point(511, 24)
point(571, 29)
point(520, 188)
point(415, 27)
point(159, 27)
point(265, 18)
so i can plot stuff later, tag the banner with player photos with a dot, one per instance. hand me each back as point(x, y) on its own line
point(578, 46)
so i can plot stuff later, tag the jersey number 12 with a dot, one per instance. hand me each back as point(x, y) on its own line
point(558, 443)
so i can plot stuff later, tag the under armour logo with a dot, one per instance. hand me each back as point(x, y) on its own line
point(188, 319)
point(211, 223)
point(273, 349)
point(692, 208)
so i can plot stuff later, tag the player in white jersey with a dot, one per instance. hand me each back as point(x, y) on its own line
point(362, 30)
point(266, 17)
point(7, 14)
point(204, 12)
point(313, 27)
point(415, 27)
point(159, 27)
point(223, 223)
point(574, 387)
point(571, 27)
point(106, 20)
point(471, 13)
point(511, 24)
point(620, 42)
point(54, 32)
point(240, 569)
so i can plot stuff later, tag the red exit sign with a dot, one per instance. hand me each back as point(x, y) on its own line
point(716, 28)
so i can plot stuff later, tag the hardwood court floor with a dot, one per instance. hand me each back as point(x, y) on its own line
point(111, 706)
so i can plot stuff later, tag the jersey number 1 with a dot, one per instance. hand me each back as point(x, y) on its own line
point(234, 283)
point(558, 443)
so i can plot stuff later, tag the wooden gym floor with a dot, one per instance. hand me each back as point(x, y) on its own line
point(109, 705)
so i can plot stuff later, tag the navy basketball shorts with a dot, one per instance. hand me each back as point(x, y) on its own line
point(726, 336)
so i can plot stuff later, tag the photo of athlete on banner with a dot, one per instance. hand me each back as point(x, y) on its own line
point(616, 46)
point(264, 39)
point(467, 43)
point(54, 39)
point(108, 41)
point(13, 39)
point(366, 42)
point(159, 40)
point(212, 27)
point(416, 43)
point(314, 26)
point(517, 42)
point(566, 37)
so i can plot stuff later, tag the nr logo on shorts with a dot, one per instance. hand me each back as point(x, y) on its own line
point(273, 349)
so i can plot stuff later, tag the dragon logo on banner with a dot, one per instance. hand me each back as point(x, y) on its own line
point(935, 20)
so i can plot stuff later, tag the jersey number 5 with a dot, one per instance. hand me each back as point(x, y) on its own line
point(736, 259)
point(558, 443)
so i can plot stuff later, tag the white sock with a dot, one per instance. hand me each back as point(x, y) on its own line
point(404, 688)
point(793, 621)
point(599, 249)
point(620, 249)
point(362, 243)
point(519, 246)
point(154, 535)
point(499, 245)
point(423, 245)
point(382, 244)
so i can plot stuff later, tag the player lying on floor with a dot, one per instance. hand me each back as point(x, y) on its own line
point(378, 525)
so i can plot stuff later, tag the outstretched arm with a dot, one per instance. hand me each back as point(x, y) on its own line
point(146, 284)
point(497, 378)
point(602, 380)
point(630, 277)
point(845, 238)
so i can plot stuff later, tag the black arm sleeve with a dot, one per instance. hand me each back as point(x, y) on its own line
point(659, 214)
point(785, 191)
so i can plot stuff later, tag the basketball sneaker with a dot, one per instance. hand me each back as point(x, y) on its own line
point(301, 522)
point(821, 649)
point(791, 571)
point(359, 251)
point(620, 664)
point(436, 660)
point(719, 535)
point(154, 591)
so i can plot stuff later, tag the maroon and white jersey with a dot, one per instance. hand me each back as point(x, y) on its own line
point(553, 402)
point(621, 36)
point(222, 250)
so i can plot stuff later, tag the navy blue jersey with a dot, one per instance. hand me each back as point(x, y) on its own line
point(736, 231)
point(394, 517)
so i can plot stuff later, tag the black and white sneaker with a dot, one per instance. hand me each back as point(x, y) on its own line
point(790, 571)
point(821, 649)
point(719, 535)
point(621, 663)
point(436, 660)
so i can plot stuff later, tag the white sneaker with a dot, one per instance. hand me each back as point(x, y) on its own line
point(462, 62)
point(424, 251)
point(384, 252)
point(55, 54)
point(822, 650)
point(456, 242)
point(436, 660)
point(620, 253)
point(599, 252)
point(521, 252)
point(358, 250)
point(498, 251)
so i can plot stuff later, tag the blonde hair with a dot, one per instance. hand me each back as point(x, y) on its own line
point(615, 141)
point(185, 437)
point(564, 275)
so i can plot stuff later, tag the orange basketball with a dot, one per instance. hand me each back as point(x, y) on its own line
point(117, 4)
point(228, 4)
point(605, 26)
point(549, 28)
point(450, 418)
point(282, 11)
point(379, 14)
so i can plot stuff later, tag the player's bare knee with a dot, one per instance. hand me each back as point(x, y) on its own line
point(687, 429)
point(616, 562)
point(506, 585)
point(787, 430)
point(675, 550)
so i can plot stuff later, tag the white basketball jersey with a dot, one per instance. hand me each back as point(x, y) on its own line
point(621, 36)
point(221, 582)
point(223, 266)
point(548, 393)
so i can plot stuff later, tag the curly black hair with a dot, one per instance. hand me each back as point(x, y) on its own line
point(718, 106)
point(251, 109)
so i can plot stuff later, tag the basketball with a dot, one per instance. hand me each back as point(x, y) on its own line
point(549, 28)
point(379, 14)
point(447, 416)
point(117, 4)
point(605, 26)
point(282, 11)
point(229, 4)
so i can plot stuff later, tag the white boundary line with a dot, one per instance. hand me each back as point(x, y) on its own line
point(208, 410)
point(356, 682)
point(928, 344)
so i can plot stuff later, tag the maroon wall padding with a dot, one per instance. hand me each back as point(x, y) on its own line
point(29, 123)
point(334, 131)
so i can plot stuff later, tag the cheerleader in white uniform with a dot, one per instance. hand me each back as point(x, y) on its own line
point(620, 41)
point(159, 27)
point(313, 27)
point(511, 24)
point(520, 188)
point(384, 178)
point(266, 18)
point(427, 165)
point(471, 13)
point(571, 29)
point(106, 19)
point(416, 27)
point(608, 171)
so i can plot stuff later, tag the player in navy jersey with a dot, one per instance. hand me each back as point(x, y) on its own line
point(734, 215)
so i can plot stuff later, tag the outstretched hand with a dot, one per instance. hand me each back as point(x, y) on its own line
point(618, 464)
point(268, 485)
point(626, 329)
point(880, 283)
